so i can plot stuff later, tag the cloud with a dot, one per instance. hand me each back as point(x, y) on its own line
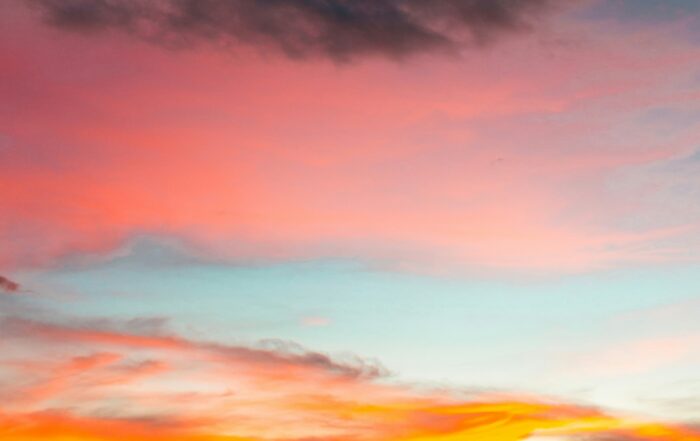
point(221, 159)
point(270, 354)
point(315, 321)
point(8, 286)
point(337, 29)
point(97, 380)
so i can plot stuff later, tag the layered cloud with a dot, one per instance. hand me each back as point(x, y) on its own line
point(109, 380)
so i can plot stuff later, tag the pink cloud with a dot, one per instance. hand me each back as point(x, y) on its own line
point(446, 165)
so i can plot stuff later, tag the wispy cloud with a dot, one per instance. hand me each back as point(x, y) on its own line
point(637, 356)
point(272, 353)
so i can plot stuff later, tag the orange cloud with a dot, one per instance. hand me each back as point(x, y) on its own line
point(503, 421)
point(148, 390)
point(56, 426)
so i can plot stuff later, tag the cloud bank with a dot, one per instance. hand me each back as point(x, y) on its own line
point(336, 29)
point(106, 380)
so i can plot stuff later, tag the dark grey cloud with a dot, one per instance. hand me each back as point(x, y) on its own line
point(8, 286)
point(336, 29)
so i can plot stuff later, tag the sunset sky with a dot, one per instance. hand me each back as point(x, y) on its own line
point(349, 220)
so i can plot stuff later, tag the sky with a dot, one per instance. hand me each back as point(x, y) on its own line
point(349, 220)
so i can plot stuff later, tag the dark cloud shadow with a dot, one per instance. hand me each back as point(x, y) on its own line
point(341, 30)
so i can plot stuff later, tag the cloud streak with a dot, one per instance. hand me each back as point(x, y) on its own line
point(336, 29)
point(274, 353)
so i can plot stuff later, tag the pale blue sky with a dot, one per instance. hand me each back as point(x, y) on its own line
point(535, 334)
